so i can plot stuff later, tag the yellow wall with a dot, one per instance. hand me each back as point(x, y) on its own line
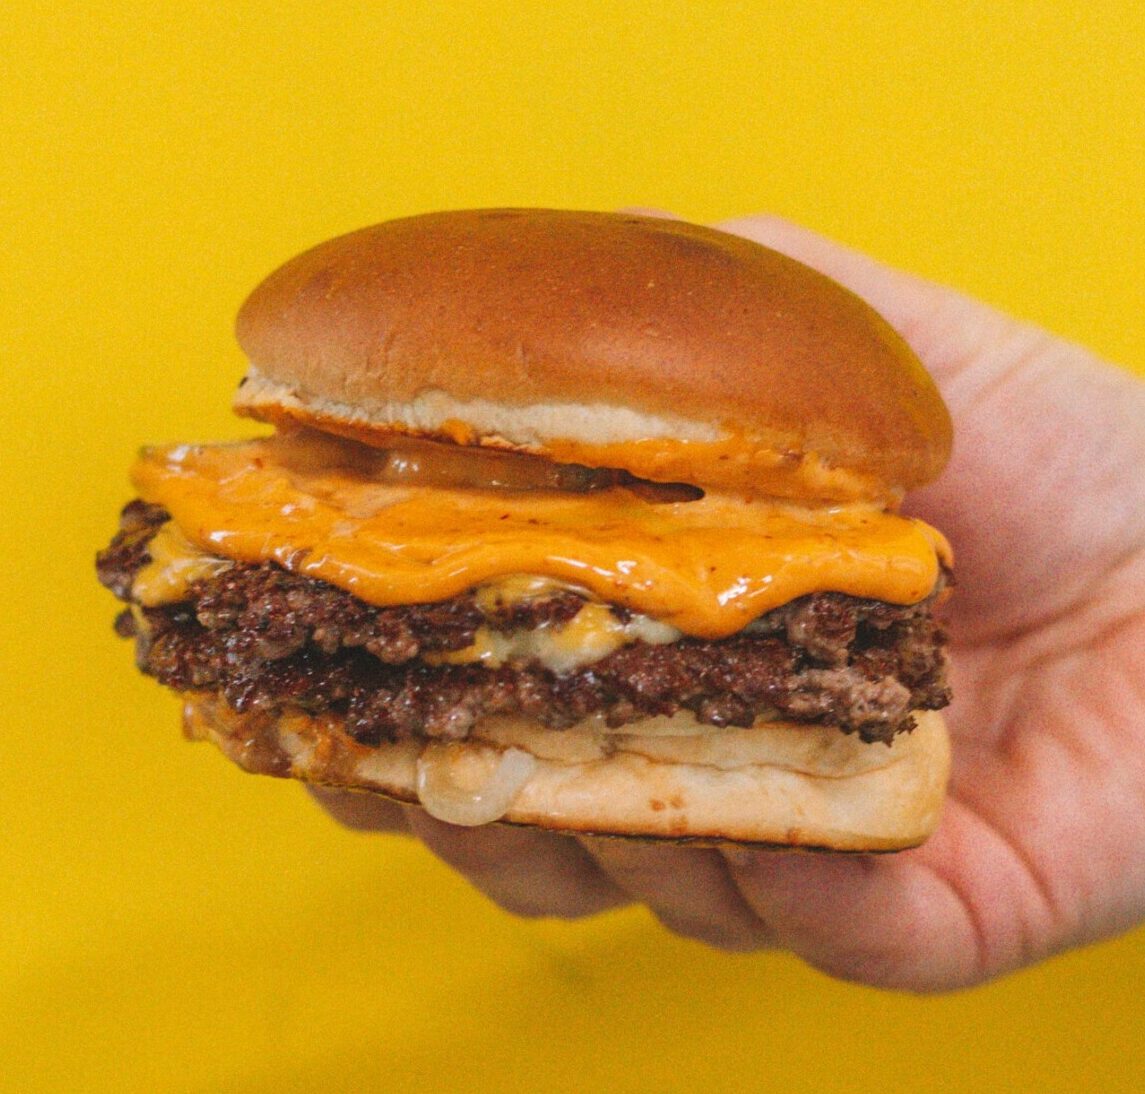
point(169, 924)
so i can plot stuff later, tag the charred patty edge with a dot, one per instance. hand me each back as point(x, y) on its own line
point(268, 639)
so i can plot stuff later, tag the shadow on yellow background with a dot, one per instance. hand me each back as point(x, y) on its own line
point(168, 924)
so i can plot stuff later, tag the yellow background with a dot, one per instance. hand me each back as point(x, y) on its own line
point(167, 923)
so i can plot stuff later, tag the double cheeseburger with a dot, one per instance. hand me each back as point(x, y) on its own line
point(574, 520)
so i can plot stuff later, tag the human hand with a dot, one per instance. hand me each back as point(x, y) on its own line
point(1042, 843)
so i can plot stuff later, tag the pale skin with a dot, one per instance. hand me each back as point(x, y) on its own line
point(1041, 846)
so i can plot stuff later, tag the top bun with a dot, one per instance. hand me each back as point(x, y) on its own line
point(677, 352)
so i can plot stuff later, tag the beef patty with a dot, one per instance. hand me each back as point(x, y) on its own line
point(267, 639)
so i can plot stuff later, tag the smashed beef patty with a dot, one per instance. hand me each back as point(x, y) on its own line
point(267, 639)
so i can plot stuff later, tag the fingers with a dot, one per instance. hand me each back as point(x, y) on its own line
point(852, 268)
point(648, 211)
point(534, 873)
point(688, 889)
point(1038, 424)
point(944, 327)
point(359, 810)
point(863, 918)
point(890, 922)
point(525, 871)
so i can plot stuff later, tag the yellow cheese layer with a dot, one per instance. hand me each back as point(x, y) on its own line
point(708, 567)
point(591, 635)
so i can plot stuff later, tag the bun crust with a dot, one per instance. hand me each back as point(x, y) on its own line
point(621, 328)
point(778, 784)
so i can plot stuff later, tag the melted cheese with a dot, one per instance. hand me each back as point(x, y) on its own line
point(176, 563)
point(592, 634)
point(707, 567)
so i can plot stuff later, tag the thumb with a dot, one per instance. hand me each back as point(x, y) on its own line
point(1039, 425)
point(946, 329)
point(890, 921)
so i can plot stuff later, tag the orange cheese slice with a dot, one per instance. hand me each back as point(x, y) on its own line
point(708, 567)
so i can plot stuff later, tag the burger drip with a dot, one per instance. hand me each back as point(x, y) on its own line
point(708, 567)
point(269, 639)
point(577, 520)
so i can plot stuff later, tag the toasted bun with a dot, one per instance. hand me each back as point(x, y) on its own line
point(674, 351)
point(779, 784)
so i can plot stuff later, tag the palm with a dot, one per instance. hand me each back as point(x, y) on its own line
point(1040, 845)
point(1038, 809)
point(1047, 795)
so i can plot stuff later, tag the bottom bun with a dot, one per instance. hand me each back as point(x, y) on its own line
point(778, 783)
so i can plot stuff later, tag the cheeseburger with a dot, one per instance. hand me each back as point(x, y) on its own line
point(574, 520)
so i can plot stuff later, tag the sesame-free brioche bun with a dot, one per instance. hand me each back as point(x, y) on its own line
point(418, 622)
point(673, 351)
point(780, 784)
